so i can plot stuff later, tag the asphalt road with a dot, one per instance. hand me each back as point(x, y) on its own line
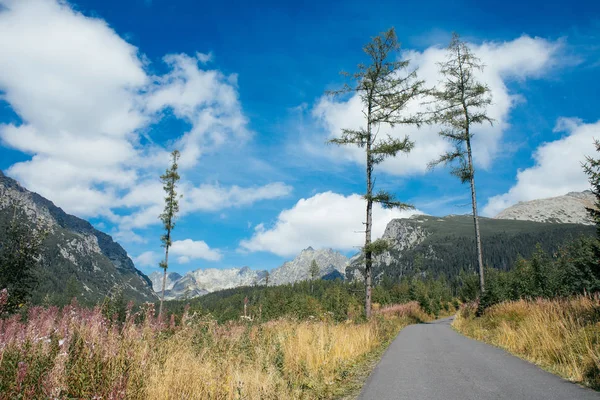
point(432, 361)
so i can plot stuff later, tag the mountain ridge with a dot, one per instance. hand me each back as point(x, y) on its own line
point(332, 265)
point(569, 208)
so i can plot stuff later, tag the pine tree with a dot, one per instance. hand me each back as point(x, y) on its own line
point(20, 255)
point(314, 272)
point(169, 180)
point(592, 168)
point(461, 103)
point(385, 86)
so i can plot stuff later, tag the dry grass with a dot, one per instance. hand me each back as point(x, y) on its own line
point(561, 335)
point(77, 353)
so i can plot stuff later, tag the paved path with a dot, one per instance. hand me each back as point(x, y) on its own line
point(432, 361)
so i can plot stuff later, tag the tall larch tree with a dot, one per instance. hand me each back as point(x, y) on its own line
point(460, 103)
point(169, 181)
point(384, 86)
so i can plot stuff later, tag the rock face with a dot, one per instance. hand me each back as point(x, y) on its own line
point(401, 235)
point(570, 208)
point(202, 281)
point(74, 251)
point(296, 270)
point(157, 279)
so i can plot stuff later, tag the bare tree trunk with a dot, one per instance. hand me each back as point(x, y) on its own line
point(475, 217)
point(368, 252)
point(162, 297)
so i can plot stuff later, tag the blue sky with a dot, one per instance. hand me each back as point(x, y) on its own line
point(95, 94)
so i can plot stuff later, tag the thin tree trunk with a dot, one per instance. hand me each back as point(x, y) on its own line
point(162, 297)
point(472, 179)
point(475, 217)
point(368, 253)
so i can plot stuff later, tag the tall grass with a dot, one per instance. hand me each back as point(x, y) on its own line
point(78, 353)
point(560, 335)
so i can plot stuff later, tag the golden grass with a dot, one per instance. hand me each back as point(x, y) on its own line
point(77, 353)
point(280, 359)
point(561, 335)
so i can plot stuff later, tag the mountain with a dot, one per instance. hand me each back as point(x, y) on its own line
point(570, 209)
point(328, 261)
point(202, 281)
point(157, 278)
point(445, 246)
point(77, 259)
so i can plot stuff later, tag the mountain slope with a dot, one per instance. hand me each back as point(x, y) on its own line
point(445, 246)
point(76, 257)
point(570, 208)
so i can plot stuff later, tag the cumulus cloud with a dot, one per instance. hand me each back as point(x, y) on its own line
point(207, 198)
point(325, 220)
point(519, 59)
point(147, 259)
point(207, 99)
point(557, 168)
point(184, 251)
point(188, 249)
point(86, 104)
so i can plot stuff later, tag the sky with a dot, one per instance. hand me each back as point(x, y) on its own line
point(94, 95)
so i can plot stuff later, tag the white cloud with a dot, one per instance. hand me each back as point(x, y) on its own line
point(125, 235)
point(215, 197)
point(557, 168)
point(519, 59)
point(325, 220)
point(86, 102)
point(183, 250)
point(207, 99)
point(204, 198)
point(147, 259)
point(188, 249)
point(73, 81)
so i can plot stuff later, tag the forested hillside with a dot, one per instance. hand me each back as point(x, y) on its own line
point(445, 246)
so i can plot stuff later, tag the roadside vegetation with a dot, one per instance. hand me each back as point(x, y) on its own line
point(546, 309)
point(560, 335)
point(83, 353)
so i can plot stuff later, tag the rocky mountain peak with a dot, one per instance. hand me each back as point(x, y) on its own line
point(297, 269)
point(570, 208)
